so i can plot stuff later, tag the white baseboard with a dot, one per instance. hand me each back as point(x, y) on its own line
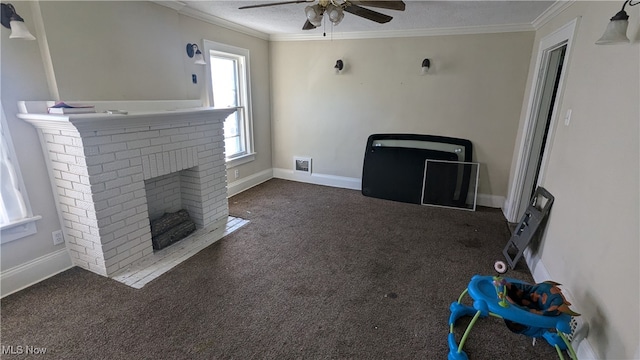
point(248, 182)
point(34, 271)
point(319, 179)
point(540, 273)
point(492, 201)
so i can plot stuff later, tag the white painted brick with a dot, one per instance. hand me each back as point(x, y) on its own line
point(56, 148)
point(166, 162)
point(113, 244)
point(118, 182)
point(91, 214)
point(97, 140)
point(179, 138)
point(63, 183)
point(159, 127)
point(124, 248)
point(100, 159)
point(145, 167)
point(137, 235)
point(109, 211)
point(70, 133)
point(169, 132)
point(151, 150)
point(91, 237)
point(136, 129)
point(120, 199)
point(87, 244)
point(133, 187)
point(123, 215)
point(56, 165)
point(82, 188)
point(135, 203)
point(74, 150)
point(93, 170)
point(77, 235)
point(130, 260)
point(73, 194)
point(112, 147)
point(115, 165)
point(106, 195)
point(62, 140)
point(138, 144)
point(114, 260)
point(124, 137)
point(159, 141)
point(82, 228)
point(65, 199)
point(127, 154)
point(139, 193)
point(76, 248)
point(85, 205)
point(91, 150)
point(109, 254)
point(137, 218)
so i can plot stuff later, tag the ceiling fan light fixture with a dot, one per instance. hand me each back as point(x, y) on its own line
point(314, 14)
point(335, 14)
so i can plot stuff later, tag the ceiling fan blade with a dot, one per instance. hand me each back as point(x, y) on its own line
point(308, 26)
point(383, 4)
point(276, 3)
point(368, 14)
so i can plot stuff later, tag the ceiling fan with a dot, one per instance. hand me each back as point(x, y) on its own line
point(334, 9)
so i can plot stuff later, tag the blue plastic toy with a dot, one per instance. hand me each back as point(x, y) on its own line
point(489, 296)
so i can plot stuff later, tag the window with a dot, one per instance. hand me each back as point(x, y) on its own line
point(16, 219)
point(228, 73)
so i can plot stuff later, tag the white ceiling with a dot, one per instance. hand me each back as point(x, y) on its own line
point(418, 16)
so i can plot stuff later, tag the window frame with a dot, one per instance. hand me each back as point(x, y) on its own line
point(244, 107)
point(25, 226)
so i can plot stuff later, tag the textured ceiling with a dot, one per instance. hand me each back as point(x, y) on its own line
point(419, 15)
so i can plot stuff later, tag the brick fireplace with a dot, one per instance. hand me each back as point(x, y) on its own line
point(99, 164)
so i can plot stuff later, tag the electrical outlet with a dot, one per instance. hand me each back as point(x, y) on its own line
point(236, 173)
point(58, 238)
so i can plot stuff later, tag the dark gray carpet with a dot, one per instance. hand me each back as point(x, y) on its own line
point(318, 273)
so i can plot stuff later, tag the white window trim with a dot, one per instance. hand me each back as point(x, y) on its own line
point(215, 46)
point(27, 225)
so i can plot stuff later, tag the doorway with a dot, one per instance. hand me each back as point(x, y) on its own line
point(542, 113)
point(545, 112)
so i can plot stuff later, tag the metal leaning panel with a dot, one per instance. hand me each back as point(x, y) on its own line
point(536, 212)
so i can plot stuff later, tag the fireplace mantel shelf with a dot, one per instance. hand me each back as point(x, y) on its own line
point(105, 121)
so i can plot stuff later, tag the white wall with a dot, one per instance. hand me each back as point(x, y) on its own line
point(23, 77)
point(591, 240)
point(473, 91)
point(110, 50)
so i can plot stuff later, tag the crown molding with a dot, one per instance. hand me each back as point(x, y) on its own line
point(172, 4)
point(555, 9)
point(551, 12)
point(181, 8)
point(464, 30)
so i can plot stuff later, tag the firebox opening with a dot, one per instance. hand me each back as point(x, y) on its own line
point(168, 208)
